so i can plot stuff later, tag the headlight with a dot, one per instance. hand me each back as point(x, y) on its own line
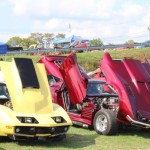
point(58, 119)
point(28, 120)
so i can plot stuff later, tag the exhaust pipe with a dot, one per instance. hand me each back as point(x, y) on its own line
point(80, 124)
point(137, 123)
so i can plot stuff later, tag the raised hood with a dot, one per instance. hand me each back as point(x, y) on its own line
point(75, 82)
point(52, 64)
point(27, 85)
point(131, 79)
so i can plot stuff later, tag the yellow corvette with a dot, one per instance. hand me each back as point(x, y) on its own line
point(26, 108)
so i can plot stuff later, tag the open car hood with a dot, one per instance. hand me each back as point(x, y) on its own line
point(27, 86)
point(75, 80)
point(52, 64)
point(131, 79)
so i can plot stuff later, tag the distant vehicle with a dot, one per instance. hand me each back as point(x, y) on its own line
point(17, 48)
point(124, 47)
point(145, 44)
point(79, 44)
point(34, 46)
point(82, 45)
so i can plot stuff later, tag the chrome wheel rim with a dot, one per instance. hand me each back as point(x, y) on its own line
point(101, 123)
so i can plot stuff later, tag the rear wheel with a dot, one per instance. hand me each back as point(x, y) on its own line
point(105, 122)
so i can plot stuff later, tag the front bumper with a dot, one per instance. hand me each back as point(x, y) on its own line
point(137, 123)
point(40, 131)
point(35, 131)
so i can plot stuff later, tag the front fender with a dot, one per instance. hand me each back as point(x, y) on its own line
point(59, 111)
point(8, 116)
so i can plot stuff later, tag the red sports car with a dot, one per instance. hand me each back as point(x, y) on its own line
point(89, 102)
point(118, 94)
point(131, 80)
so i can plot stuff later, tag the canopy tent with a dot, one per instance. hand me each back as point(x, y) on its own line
point(57, 41)
point(69, 39)
point(77, 38)
point(3, 48)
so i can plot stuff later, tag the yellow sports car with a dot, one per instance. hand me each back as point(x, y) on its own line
point(26, 107)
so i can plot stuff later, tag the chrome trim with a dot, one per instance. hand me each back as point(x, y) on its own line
point(137, 123)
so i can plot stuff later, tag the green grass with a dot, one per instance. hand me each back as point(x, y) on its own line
point(85, 139)
point(90, 60)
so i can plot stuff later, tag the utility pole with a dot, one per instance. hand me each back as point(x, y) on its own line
point(69, 28)
point(149, 28)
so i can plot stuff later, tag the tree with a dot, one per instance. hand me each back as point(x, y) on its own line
point(37, 36)
point(60, 35)
point(96, 42)
point(49, 37)
point(130, 42)
point(34, 38)
point(15, 40)
point(26, 42)
point(21, 42)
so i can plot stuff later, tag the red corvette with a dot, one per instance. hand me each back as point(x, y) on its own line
point(102, 103)
point(89, 103)
point(131, 80)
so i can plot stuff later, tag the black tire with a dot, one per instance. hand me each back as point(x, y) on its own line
point(105, 122)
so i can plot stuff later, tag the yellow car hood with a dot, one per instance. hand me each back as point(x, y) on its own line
point(25, 97)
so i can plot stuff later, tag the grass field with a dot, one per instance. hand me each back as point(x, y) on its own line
point(90, 60)
point(85, 139)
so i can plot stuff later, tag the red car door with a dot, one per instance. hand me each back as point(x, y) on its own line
point(76, 83)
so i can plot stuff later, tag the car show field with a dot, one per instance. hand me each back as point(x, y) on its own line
point(127, 137)
point(75, 75)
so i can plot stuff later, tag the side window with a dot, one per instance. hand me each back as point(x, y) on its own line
point(52, 79)
point(100, 88)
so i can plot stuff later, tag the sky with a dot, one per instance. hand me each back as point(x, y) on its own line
point(113, 21)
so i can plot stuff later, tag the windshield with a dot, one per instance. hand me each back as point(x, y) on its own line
point(99, 88)
point(3, 92)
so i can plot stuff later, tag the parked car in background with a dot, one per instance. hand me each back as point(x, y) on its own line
point(79, 44)
point(82, 45)
point(124, 47)
point(145, 44)
point(26, 106)
point(34, 47)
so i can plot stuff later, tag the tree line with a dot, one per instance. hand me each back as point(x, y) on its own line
point(38, 39)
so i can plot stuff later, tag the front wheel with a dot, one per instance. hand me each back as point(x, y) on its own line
point(105, 122)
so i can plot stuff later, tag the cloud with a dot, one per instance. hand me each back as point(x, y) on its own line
point(7, 36)
point(106, 19)
point(63, 8)
point(3, 3)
